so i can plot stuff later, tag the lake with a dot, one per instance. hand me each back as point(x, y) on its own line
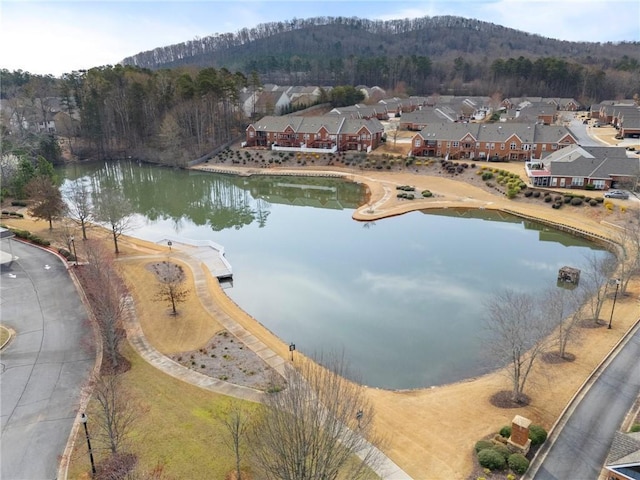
point(401, 297)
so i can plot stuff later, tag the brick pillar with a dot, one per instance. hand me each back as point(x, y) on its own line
point(520, 433)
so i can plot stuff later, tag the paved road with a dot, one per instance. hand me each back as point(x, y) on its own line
point(579, 131)
point(44, 367)
point(582, 444)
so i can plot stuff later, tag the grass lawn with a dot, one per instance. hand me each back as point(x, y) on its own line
point(190, 329)
point(178, 428)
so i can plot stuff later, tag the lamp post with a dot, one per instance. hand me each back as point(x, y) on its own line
point(169, 243)
point(75, 254)
point(83, 419)
point(615, 296)
point(292, 348)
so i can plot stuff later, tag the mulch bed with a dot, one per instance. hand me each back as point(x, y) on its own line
point(555, 358)
point(503, 399)
point(226, 358)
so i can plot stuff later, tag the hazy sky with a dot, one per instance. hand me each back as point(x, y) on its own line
point(56, 36)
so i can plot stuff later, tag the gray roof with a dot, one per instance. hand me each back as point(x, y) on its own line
point(592, 162)
point(625, 449)
point(496, 132)
point(335, 124)
point(428, 115)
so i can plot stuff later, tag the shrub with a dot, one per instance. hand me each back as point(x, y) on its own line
point(427, 194)
point(537, 434)
point(502, 450)
point(505, 431)
point(491, 459)
point(528, 193)
point(22, 234)
point(18, 203)
point(593, 202)
point(536, 194)
point(635, 427)
point(547, 198)
point(482, 445)
point(567, 199)
point(512, 193)
point(518, 463)
point(511, 476)
point(487, 176)
point(575, 201)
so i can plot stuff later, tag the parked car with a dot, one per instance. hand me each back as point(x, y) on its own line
point(616, 194)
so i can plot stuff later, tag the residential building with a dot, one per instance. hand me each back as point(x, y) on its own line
point(490, 141)
point(327, 133)
point(600, 168)
point(623, 461)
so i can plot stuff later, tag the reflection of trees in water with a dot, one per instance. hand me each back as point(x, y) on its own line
point(221, 201)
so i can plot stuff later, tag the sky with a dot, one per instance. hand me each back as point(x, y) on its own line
point(59, 36)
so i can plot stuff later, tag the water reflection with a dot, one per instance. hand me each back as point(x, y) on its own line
point(216, 200)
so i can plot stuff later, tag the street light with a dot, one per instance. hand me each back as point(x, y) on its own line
point(83, 419)
point(615, 296)
point(292, 348)
point(73, 244)
point(169, 243)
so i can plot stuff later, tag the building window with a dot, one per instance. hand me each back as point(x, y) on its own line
point(251, 134)
point(599, 184)
point(554, 147)
point(417, 142)
point(512, 146)
point(544, 147)
point(502, 146)
point(526, 147)
point(455, 144)
point(577, 181)
point(554, 182)
point(448, 144)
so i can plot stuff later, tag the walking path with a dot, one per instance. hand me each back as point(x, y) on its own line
point(385, 467)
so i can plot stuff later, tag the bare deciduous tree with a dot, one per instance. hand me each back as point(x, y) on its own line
point(561, 307)
point(80, 209)
point(171, 277)
point(106, 293)
point(116, 413)
point(628, 240)
point(316, 426)
point(516, 336)
point(596, 272)
point(112, 208)
point(237, 421)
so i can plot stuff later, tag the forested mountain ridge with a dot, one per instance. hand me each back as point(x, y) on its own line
point(437, 37)
point(443, 54)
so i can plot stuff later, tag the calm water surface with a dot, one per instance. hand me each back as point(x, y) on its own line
point(402, 297)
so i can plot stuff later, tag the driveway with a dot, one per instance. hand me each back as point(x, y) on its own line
point(45, 366)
